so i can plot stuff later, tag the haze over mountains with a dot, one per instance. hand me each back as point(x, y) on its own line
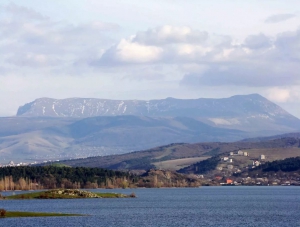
point(80, 127)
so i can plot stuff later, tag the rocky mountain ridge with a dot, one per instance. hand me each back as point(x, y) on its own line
point(241, 112)
point(203, 107)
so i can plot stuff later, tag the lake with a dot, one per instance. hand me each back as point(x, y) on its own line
point(205, 206)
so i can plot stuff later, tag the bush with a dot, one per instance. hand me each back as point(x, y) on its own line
point(132, 195)
point(2, 213)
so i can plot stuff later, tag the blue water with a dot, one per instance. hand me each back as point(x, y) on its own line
point(205, 206)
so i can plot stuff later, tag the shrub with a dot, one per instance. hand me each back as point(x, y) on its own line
point(2, 213)
point(132, 195)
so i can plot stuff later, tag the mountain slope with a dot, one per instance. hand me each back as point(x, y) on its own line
point(243, 112)
point(151, 158)
point(61, 138)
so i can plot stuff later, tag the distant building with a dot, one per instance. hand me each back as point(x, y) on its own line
point(230, 160)
point(231, 153)
point(219, 168)
point(246, 153)
point(225, 158)
point(240, 152)
point(229, 181)
point(262, 157)
point(256, 163)
point(11, 163)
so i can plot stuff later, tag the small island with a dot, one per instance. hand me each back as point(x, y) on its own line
point(56, 194)
point(67, 194)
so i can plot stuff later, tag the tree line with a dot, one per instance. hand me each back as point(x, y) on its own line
point(40, 177)
point(202, 167)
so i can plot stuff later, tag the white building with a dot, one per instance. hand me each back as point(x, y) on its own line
point(240, 152)
point(256, 163)
point(262, 157)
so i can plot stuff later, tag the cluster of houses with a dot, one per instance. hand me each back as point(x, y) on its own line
point(229, 160)
point(240, 153)
point(256, 163)
point(260, 181)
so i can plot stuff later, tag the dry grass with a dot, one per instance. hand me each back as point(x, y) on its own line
point(178, 163)
point(274, 153)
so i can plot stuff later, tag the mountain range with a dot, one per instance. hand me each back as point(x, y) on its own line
point(48, 129)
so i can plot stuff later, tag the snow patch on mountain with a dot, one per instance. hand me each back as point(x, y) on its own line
point(221, 121)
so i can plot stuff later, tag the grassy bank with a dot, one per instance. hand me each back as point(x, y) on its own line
point(19, 214)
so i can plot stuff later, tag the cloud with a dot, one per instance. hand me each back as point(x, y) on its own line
point(33, 60)
point(278, 94)
point(23, 12)
point(257, 41)
point(242, 74)
point(288, 46)
point(166, 44)
point(210, 60)
point(31, 40)
point(170, 34)
point(32, 43)
point(258, 62)
point(131, 52)
point(279, 18)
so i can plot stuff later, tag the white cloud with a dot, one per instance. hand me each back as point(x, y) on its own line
point(170, 34)
point(257, 41)
point(278, 94)
point(29, 39)
point(166, 44)
point(131, 52)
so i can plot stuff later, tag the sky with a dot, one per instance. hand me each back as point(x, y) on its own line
point(132, 49)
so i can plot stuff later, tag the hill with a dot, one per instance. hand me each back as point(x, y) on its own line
point(181, 155)
point(265, 138)
point(44, 139)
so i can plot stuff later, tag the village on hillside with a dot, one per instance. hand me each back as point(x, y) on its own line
point(238, 168)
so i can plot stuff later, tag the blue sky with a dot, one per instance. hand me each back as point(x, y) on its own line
point(149, 50)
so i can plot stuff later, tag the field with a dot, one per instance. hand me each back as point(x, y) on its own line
point(274, 153)
point(177, 164)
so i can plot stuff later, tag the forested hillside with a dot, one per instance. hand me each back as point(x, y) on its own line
point(286, 165)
